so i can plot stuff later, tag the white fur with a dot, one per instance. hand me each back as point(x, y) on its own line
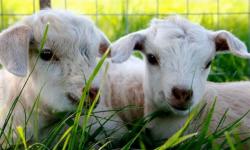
point(74, 40)
point(234, 96)
point(183, 49)
point(130, 77)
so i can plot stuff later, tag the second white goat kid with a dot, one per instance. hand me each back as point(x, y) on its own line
point(178, 57)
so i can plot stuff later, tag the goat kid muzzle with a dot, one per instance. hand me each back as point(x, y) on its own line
point(181, 98)
point(90, 97)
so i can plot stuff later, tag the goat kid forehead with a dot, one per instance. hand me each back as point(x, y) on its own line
point(69, 35)
point(182, 46)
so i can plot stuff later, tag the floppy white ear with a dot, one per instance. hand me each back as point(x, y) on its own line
point(14, 47)
point(226, 41)
point(123, 47)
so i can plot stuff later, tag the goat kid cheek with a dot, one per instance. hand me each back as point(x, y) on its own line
point(80, 73)
point(199, 84)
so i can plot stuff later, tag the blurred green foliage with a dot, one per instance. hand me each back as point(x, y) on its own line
point(116, 18)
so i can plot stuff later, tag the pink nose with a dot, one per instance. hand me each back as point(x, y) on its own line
point(181, 97)
point(93, 93)
point(182, 94)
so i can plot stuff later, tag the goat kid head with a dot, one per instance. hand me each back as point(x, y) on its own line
point(65, 62)
point(178, 57)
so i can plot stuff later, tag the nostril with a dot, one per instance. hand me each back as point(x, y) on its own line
point(176, 93)
point(182, 94)
point(93, 92)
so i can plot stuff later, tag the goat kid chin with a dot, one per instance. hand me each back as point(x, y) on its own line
point(178, 56)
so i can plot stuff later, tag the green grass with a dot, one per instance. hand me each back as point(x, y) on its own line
point(59, 138)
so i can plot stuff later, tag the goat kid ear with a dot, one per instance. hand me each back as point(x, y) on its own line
point(14, 47)
point(226, 41)
point(104, 44)
point(123, 47)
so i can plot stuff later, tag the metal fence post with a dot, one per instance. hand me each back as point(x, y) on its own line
point(44, 4)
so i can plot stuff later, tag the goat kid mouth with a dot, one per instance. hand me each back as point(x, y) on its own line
point(174, 108)
point(73, 98)
point(87, 102)
point(182, 111)
point(180, 108)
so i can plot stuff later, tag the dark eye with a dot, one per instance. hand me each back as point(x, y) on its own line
point(152, 59)
point(46, 54)
point(208, 65)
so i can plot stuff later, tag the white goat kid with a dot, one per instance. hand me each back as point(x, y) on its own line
point(178, 57)
point(64, 64)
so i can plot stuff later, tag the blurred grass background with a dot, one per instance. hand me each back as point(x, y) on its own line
point(119, 17)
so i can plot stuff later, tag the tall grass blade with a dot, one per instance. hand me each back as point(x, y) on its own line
point(83, 97)
point(66, 142)
point(66, 133)
point(229, 141)
point(142, 145)
point(58, 128)
point(104, 145)
point(222, 120)
point(205, 127)
point(177, 138)
point(184, 138)
point(86, 118)
point(17, 143)
point(231, 126)
point(22, 136)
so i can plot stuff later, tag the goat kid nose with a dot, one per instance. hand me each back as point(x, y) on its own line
point(92, 92)
point(183, 95)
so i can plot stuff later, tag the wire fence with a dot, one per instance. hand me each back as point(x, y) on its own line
point(10, 11)
point(119, 17)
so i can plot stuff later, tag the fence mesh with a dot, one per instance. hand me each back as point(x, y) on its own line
point(119, 17)
point(98, 10)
